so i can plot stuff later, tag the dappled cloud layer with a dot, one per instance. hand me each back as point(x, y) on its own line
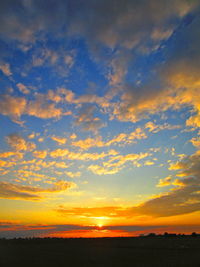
point(100, 111)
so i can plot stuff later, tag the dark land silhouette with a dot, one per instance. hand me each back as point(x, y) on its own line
point(152, 250)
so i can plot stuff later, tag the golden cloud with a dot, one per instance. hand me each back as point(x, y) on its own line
point(195, 141)
point(40, 154)
point(18, 143)
point(152, 127)
point(116, 163)
point(122, 138)
point(23, 192)
point(164, 182)
point(59, 140)
point(80, 156)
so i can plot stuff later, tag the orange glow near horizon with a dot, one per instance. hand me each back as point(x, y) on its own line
point(90, 231)
point(95, 233)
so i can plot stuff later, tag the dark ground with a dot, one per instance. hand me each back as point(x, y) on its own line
point(123, 252)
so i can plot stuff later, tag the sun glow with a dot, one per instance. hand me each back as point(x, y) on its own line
point(100, 221)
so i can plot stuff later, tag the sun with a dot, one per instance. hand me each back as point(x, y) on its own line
point(100, 221)
point(100, 225)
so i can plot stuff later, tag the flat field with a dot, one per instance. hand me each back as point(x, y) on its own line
point(123, 252)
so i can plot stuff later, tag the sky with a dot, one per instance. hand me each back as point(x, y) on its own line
point(99, 117)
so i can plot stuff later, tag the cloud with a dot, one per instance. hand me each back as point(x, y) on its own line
point(59, 153)
point(44, 55)
point(95, 212)
point(91, 156)
point(65, 153)
point(22, 88)
point(8, 154)
point(87, 120)
point(152, 127)
point(122, 138)
point(73, 174)
point(124, 24)
point(84, 101)
point(115, 28)
point(18, 143)
point(149, 163)
point(26, 23)
point(164, 182)
point(195, 141)
point(16, 229)
point(69, 60)
point(12, 191)
point(40, 107)
point(40, 154)
point(116, 163)
point(88, 143)
point(122, 27)
point(59, 140)
point(61, 165)
point(184, 198)
point(100, 170)
point(44, 164)
point(7, 164)
point(119, 69)
point(29, 173)
point(32, 135)
point(73, 136)
point(23, 192)
point(13, 107)
point(177, 86)
point(5, 68)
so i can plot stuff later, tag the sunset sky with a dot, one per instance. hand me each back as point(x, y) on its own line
point(99, 117)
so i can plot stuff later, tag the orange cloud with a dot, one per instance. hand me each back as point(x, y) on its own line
point(18, 143)
point(59, 153)
point(40, 154)
point(156, 128)
point(59, 140)
point(7, 164)
point(73, 174)
point(100, 170)
point(195, 141)
point(121, 138)
point(22, 88)
point(13, 107)
point(23, 192)
point(42, 109)
point(5, 68)
point(8, 154)
point(116, 163)
point(80, 156)
point(165, 182)
point(96, 212)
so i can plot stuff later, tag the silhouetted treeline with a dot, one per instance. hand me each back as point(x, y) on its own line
point(194, 234)
point(64, 239)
